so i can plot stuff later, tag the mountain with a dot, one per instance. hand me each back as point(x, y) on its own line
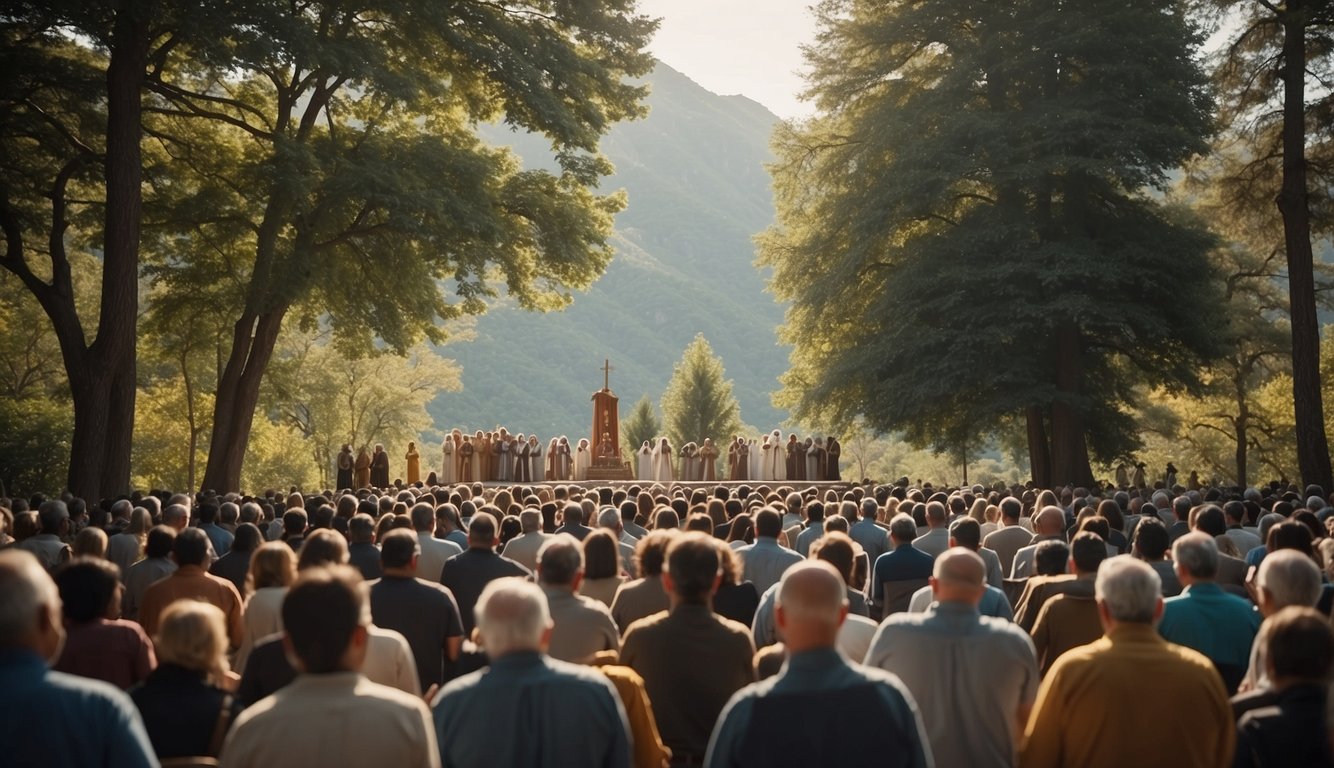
point(698, 192)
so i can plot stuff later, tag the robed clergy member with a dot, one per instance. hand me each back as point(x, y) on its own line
point(363, 469)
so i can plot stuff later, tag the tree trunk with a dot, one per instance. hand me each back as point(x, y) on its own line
point(238, 394)
point(1242, 426)
point(1069, 447)
point(104, 384)
point(1039, 450)
point(1312, 445)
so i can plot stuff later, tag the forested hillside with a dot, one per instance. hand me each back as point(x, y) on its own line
point(698, 191)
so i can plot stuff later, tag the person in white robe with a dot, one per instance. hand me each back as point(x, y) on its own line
point(536, 469)
point(813, 461)
point(662, 462)
point(583, 459)
point(447, 470)
point(779, 457)
point(756, 460)
point(644, 467)
point(766, 460)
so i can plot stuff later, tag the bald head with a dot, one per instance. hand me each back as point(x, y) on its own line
point(29, 606)
point(1049, 522)
point(959, 575)
point(811, 605)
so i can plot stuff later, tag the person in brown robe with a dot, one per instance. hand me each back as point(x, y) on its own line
point(465, 460)
point(708, 456)
point(523, 470)
point(731, 459)
point(742, 459)
point(362, 474)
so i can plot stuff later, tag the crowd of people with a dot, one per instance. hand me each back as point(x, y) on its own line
point(649, 625)
point(501, 457)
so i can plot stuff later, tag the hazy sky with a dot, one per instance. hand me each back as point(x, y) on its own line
point(748, 47)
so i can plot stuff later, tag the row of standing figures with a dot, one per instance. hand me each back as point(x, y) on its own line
point(501, 457)
point(769, 459)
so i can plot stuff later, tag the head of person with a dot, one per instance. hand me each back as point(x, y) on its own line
point(247, 538)
point(1087, 551)
point(1287, 578)
point(361, 529)
point(1298, 645)
point(967, 533)
point(693, 570)
point(322, 547)
point(1051, 557)
point(1010, 510)
point(30, 611)
point(1049, 521)
point(325, 620)
point(176, 516)
point(90, 542)
point(90, 589)
point(193, 634)
point(1151, 540)
point(1128, 592)
point(768, 523)
point(423, 517)
point(513, 617)
point(602, 556)
point(810, 606)
point(272, 565)
point(482, 532)
point(560, 562)
point(902, 529)
point(399, 549)
point(1195, 556)
point(958, 575)
point(936, 514)
point(191, 547)
point(651, 552)
point(837, 549)
point(295, 522)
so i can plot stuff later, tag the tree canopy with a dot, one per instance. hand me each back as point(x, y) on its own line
point(964, 232)
point(698, 402)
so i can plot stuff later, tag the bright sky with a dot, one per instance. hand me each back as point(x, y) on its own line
point(748, 47)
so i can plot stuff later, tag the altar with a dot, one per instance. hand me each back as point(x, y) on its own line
point(608, 462)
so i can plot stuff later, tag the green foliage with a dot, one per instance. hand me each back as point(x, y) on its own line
point(331, 399)
point(693, 170)
point(698, 402)
point(34, 452)
point(641, 425)
point(963, 232)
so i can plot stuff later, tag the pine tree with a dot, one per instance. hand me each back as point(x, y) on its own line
point(698, 401)
point(963, 235)
point(642, 424)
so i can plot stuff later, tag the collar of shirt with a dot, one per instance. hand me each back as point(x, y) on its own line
point(517, 661)
point(21, 665)
point(1206, 589)
point(813, 665)
point(956, 612)
point(327, 683)
point(1135, 633)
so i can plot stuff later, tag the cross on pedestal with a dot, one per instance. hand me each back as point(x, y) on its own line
point(606, 373)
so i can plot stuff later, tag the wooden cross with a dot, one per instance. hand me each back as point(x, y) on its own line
point(606, 373)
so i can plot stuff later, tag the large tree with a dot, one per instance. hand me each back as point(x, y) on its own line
point(369, 204)
point(698, 401)
point(1274, 75)
point(70, 178)
point(963, 231)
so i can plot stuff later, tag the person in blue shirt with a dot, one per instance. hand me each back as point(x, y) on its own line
point(50, 718)
point(556, 713)
point(904, 563)
point(820, 709)
point(1219, 625)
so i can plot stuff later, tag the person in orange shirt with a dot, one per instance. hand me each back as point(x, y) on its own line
point(192, 581)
